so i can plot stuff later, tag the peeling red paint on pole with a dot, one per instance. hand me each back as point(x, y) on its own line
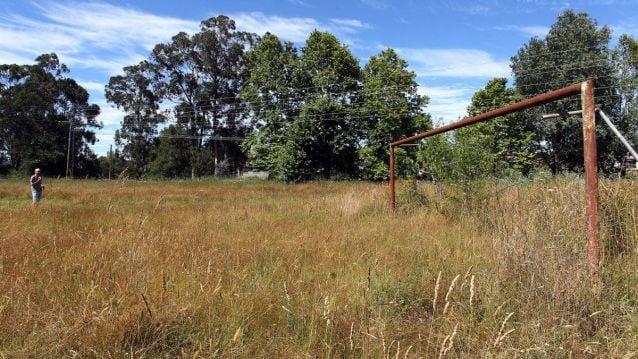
point(392, 191)
point(591, 176)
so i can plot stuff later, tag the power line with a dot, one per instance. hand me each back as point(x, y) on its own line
point(286, 102)
point(243, 110)
point(196, 137)
point(358, 90)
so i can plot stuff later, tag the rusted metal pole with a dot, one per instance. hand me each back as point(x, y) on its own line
point(613, 129)
point(591, 176)
point(392, 197)
point(607, 120)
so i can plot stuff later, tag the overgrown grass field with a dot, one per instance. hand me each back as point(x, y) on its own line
point(264, 270)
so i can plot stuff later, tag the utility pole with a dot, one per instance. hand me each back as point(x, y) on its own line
point(70, 153)
point(68, 148)
point(110, 160)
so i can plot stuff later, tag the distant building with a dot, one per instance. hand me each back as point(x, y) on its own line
point(249, 172)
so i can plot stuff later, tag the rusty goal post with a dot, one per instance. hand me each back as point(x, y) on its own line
point(586, 91)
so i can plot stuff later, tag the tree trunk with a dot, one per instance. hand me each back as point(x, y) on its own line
point(193, 163)
point(215, 158)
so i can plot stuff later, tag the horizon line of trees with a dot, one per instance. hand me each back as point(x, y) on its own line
point(299, 113)
point(211, 102)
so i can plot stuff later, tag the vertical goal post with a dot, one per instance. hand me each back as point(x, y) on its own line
point(586, 91)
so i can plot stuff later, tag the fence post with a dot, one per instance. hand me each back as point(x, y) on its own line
point(591, 176)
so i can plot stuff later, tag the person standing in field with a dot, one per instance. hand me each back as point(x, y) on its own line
point(36, 186)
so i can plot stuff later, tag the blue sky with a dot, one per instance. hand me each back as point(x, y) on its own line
point(455, 47)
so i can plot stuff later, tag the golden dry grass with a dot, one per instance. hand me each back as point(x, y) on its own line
point(230, 269)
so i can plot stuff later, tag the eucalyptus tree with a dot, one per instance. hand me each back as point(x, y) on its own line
point(133, 93)
point(202, 74)
point(46, 119)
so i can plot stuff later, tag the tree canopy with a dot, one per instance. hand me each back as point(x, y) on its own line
point(575, 49)
point(392, 109)
point(46, 120)
point(133, 93)
point(625, 59)
point(318, 115)
point(201, 74)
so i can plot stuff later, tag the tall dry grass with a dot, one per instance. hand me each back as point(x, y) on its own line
point(230, 269)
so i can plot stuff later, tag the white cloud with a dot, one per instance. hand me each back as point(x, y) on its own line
point(376, 4)
point(626, 27)
point(299, 3)
point(109, 115)
point(455, 63)
point(447, 103)
point(442, 92)
point(351, 23)
point(105, 136)
point(475, 9)
point(106, 25)
point(110, 66)
point(448, 111)
point(295, 29)
point(91, 85)
point(87, 35)
point(7, 57)
point(104, 140)
point(33, 37)
point(539, 31)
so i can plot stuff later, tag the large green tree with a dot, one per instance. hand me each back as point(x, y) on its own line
point(45, 119)
point(499, 147)
point(331, 126)
point(304, 108)
point(391, 109)
point(575, 49)
point(272, 98)
point(133, 93)
point(625, 57)
point(203, 74)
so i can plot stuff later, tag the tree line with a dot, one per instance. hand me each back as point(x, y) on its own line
point(300, 114)
point(218, 100)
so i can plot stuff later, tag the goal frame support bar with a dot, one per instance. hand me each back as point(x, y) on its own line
point(586, 90)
